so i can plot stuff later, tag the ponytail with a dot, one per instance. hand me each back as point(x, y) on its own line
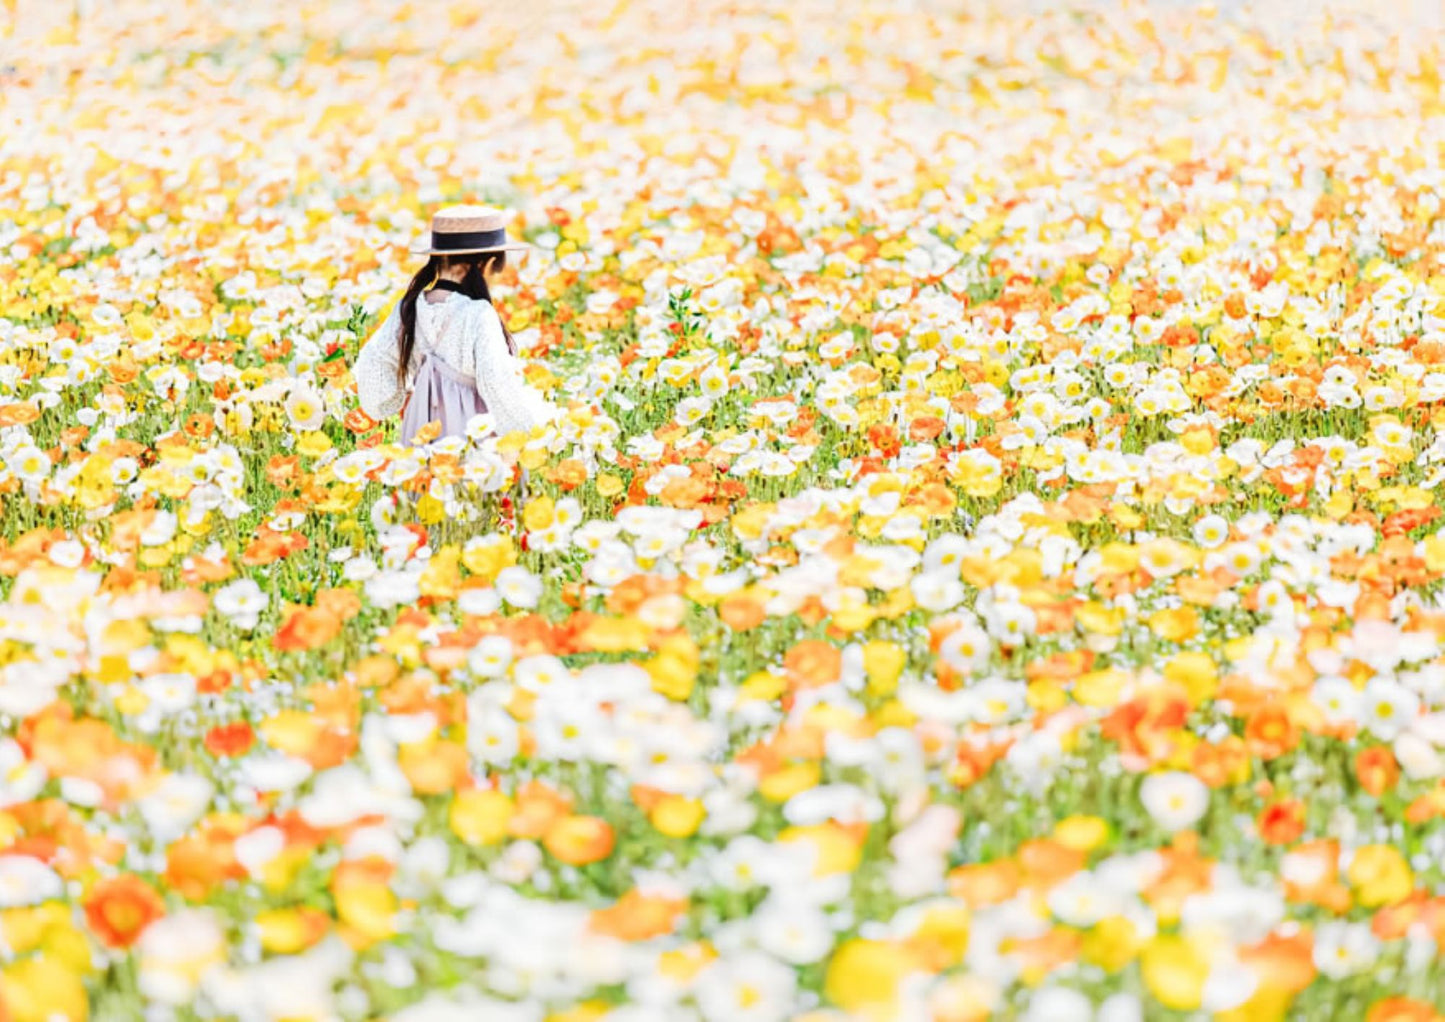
point(424, 278)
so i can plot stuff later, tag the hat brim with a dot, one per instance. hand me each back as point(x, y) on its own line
point(425, 248)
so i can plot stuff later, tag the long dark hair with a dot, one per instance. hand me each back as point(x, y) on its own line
point(473, 286)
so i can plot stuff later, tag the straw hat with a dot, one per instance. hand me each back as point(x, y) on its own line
point(457, 230)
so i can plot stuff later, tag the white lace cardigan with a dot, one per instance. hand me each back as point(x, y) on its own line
point(467, 335)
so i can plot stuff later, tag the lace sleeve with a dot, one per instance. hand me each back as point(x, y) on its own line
point(512, 402)
point(382, 396)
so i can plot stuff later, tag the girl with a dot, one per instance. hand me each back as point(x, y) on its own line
point(442, 353)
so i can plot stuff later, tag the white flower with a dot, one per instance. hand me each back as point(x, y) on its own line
point(492, 657)
point(29, 463)
point(25, 880)
point(176, 804)
point(274, 771)
point(176, 952)
point(540, 672)
point(1337, 698)
point(1122, 1007)
point(1389, 707)
point(1058, 1004)
point(1211, 531)
point(1175, 800)
point(937, 591)
point(20, 779)
point(256, 848)
point(747, 987)
point(792, 930)
point(1082, 900)
point(1417, 757)
point(492, 736)
point(519, 587)
point(478, 601)
point(1228, 985)
point(306, 409)
point(392, 588)
point(1344, 949)
point(242, 602)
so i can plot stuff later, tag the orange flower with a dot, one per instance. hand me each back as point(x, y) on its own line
point(1284, 963)
point(1376, 769)
point(1046, 862)
point(233, 739)
point(1402, 1009)
point(569, 474)
point(813, 662)
point(269, 547)
point(741, 613)
point(18, 414)
point(985, 883)
point(1220, 764)
point(579, 840)
point(1143, 724)
point(538, 808)
point(638, 916)
point(433, 769)
point(1282, 823)
point(120, 908)
point(1270, 733)
point(306, 628)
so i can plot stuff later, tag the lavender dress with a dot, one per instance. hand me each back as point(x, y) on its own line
point(440, 392)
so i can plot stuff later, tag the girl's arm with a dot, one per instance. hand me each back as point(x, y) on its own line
point(511, 401)
point(375, 370)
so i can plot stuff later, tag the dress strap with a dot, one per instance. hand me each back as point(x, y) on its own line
point(442, 369)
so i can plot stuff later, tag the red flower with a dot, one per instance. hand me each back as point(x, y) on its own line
point(233, 739)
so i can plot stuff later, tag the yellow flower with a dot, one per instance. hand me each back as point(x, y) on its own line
point(1195, 672)
point(764, 685)
point(368, 908)
point(291, 731)
point(1380, 876)
point(1110, 944)
point(430, 510)
point(1100, 620)
point(287, 931)
point(1174, 970)
point(590, 1011)
point(441, 577)
point(616, 635)
point(41, 989)
point(864, 977)
point(279, 873)
point(313, 444)
point(942, 937)
point(539, 514)
point(674, 669)
point(25, 928)
point(1100, 688)
point(783, 784)
point(480, 817)
point(1177, 624)
point(838, 850)
point(1081, 833)
point(487, 558)
point(677, 816)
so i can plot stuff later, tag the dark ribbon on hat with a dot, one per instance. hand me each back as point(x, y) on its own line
point(468, 239)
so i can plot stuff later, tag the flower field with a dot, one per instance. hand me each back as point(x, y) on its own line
point(988, 564)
